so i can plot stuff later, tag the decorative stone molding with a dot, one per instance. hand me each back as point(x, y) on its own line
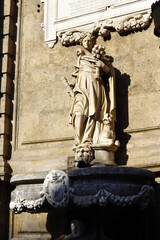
point(85, 187)
point(135, 23)
point(28, 194)
point(121, 16)
point(56, 188)
point(122, 26)
point(20, 204)
point(59, 192)
point(113, 192)
point(70, 38)
point(103, 198)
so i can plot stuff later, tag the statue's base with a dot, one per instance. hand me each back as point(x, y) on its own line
point(104, 154)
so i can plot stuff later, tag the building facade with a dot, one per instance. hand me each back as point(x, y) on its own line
point(35, 133)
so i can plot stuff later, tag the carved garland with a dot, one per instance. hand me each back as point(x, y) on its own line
point(20, 204)
point(125, 26)
point(57, 192)
point(103, 198)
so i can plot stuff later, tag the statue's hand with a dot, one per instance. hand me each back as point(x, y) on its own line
point(79, 52)
point(103, 66)
point(100, 64)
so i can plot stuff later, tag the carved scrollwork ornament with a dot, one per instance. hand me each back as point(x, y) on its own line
point(123, 25)
point(56, 188)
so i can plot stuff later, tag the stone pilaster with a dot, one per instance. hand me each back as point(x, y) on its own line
point(7, 48)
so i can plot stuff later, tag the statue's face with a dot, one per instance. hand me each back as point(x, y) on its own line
point(87, 43)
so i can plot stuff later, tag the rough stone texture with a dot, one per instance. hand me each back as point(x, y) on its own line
point(7, 39)
point(29, 226)
point(43, 134)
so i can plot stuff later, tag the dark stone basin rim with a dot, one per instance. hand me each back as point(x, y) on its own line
point(111, 170)
point(108, 172)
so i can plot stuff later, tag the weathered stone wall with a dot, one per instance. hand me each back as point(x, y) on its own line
point(136, 58)
point(42, 136)
point(7, 44)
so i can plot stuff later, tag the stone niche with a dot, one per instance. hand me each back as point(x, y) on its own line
point(43, 138)
point(42, 135)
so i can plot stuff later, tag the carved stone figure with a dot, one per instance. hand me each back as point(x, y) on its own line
point(77, 228)
point(93, 112)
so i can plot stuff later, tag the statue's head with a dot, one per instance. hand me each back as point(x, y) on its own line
point(88, 41)
point(77, 228)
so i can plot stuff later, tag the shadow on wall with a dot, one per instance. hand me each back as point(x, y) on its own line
point(122, 84)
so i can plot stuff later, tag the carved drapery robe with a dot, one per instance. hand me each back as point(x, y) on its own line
point(91, 97)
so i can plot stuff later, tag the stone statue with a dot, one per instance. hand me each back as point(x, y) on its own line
point(77, 231)
point(82, 231)
point(93, 112)
point(77, 228)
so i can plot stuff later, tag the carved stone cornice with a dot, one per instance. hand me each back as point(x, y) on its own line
point(126, 24)
point(123, 25)
point(121, 16)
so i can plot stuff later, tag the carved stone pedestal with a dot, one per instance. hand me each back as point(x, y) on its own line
point(89, 203)
point(104, 154)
